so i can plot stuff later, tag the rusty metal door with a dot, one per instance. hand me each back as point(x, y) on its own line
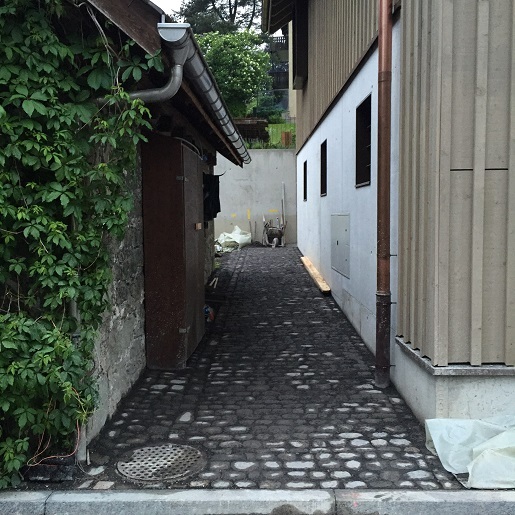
point(173, 252)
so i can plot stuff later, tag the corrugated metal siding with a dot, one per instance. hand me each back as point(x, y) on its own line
point(340, 32)
point(457, 181)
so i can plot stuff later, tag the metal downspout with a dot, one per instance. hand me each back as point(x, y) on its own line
point(166, 92)
point(383, 294)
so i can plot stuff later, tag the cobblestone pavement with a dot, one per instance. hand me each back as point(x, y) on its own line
point(279, 394)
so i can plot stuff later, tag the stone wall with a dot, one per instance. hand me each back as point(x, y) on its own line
point(120, 348)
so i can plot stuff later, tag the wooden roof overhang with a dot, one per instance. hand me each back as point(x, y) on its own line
point(138, 19)
point(276, 14)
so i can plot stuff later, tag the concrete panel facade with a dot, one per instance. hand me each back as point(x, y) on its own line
point(355, 294)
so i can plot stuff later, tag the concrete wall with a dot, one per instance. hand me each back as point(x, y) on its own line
point(454, 391)
point(256, 190)
point(120, 348)
point(355, 293)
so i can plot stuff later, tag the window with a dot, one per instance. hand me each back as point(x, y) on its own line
point(305, 183)
point(323, 168)
point(363, 142)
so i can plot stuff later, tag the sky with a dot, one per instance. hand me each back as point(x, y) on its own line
point(168, 5)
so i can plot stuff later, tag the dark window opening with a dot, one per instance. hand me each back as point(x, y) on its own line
point(363, 142)
point(305, 183)
point(323, 168)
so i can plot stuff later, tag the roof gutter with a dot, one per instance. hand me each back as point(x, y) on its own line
point(189, 61)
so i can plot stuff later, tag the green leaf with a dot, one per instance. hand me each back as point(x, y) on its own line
point(136, 73)
point(81, 96)
point(5, 73)
point(126, 73)
point(22, 421)
point(28, 106)
point(65, 199)
point(21, 90)
point(38, 95)
point(95, 78)
point(40, 108)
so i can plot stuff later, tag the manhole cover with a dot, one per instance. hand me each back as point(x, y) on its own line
point(164, 462)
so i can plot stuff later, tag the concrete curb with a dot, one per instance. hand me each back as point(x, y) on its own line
point(23, 503)
point(409, 502)
point(258, 502)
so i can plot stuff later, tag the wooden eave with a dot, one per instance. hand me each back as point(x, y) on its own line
point(276, 14)
point(138, 19)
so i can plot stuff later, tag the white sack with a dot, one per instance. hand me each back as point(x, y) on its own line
point(234, 240)
point(483, 448)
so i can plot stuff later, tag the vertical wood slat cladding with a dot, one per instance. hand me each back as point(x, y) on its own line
point(457, 181)
point(340, 32)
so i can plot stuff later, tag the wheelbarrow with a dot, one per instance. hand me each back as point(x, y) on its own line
point(273, 235)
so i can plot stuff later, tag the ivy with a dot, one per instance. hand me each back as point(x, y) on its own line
point(68, 141)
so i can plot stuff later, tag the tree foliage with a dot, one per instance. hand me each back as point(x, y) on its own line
point(221, 15)
point(239, 65)
point(65, 159)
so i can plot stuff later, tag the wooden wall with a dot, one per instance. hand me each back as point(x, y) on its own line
point(339, 34)
point(457, 181)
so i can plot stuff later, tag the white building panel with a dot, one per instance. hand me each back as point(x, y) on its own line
point(355, 290)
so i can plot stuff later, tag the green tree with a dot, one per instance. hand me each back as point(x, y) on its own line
point(220, 15)
point(239, 65)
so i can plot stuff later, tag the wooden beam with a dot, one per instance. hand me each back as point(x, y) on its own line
point(136, 18)
point(315, 275)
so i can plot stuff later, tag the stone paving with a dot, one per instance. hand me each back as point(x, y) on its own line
point(279, 395)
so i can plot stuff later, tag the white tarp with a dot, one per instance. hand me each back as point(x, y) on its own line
point(237, 239)
point(485, 449)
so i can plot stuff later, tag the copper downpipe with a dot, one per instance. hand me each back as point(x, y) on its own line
point(383, 294)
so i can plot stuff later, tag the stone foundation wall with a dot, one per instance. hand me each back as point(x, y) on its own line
point(120, 349)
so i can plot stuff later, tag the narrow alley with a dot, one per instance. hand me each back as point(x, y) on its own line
point(279, 395)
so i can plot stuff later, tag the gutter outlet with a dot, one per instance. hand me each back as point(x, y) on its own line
point(176, 33)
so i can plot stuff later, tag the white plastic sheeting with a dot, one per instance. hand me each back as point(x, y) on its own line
point(485, 449)
point(237, 239)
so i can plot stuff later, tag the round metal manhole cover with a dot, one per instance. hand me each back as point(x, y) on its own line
point(164, 462)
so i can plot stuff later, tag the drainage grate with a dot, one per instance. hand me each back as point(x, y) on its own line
point(164, 462)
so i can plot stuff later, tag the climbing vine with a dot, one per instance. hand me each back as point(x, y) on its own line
point(68, 139)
